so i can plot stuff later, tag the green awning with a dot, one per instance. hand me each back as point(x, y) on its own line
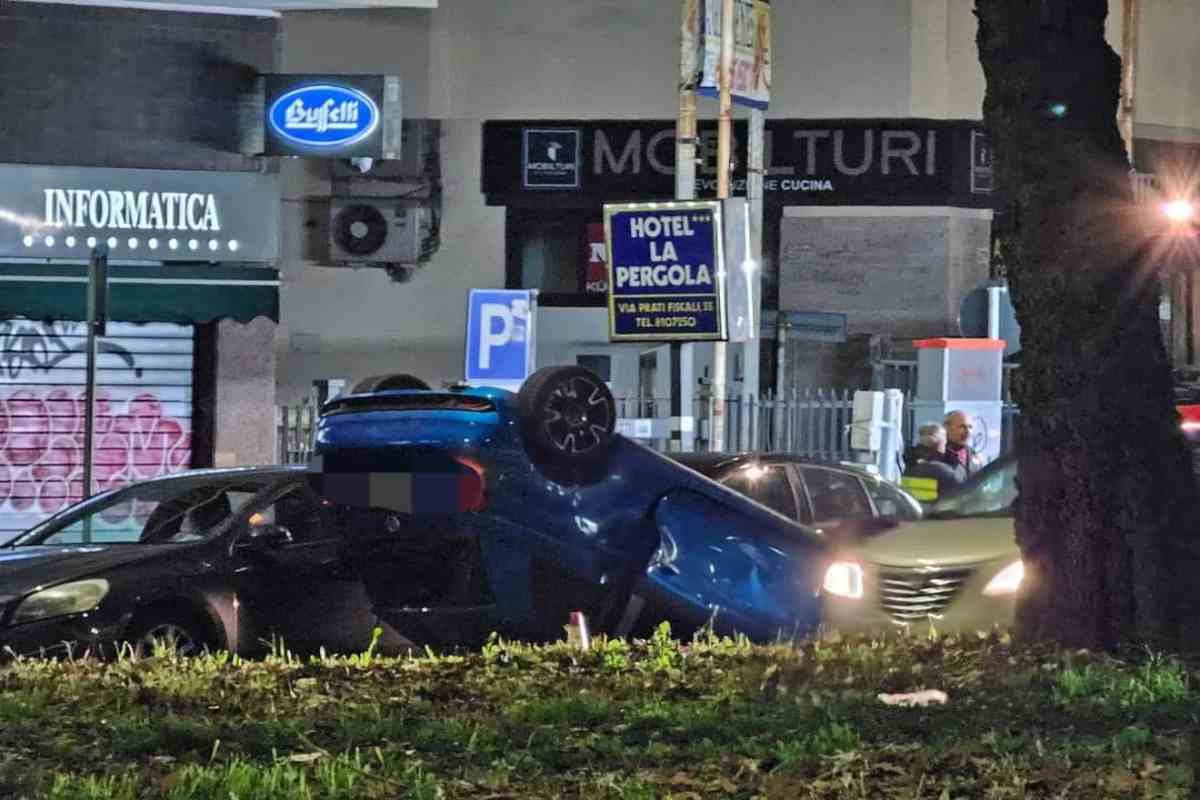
point(182, 293)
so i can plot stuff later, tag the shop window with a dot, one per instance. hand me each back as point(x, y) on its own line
point(560, 252)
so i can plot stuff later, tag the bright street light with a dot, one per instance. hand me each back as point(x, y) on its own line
point(1179, 210)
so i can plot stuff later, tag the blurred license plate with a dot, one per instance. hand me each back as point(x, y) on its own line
point(451, 489)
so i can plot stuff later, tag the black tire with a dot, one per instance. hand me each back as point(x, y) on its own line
point(183, 635)
point(567, 416)
point(382, 383)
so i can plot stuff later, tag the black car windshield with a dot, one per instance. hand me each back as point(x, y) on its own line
point(166, 511)
point(988, 494)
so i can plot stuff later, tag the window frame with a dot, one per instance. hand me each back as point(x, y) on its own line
point(516, 218)
point(866, 496)
point(790, 478)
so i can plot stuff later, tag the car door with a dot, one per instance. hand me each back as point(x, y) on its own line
point(296, 586)
point(769, 484)
point(835, 496)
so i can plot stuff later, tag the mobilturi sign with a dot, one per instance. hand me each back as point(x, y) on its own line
point(806, 161)
point(153, 215)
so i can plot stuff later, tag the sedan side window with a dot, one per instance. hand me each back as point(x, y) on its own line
point(299, 512)
point(835, 495)
point(890, 503)
point(120, 522)
point(767, 485)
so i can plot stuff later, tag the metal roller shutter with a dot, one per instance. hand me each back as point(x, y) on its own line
point(143, 412)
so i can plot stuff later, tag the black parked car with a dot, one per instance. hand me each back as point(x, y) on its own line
point(832, 497)
point(220, 558)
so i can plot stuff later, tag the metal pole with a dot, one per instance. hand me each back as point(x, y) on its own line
point(685, 189)
point(89, 407)
point(754, 236)
point(1130, 21)
point(685, 131)
point(724, 153)
point(97, 311)
point(781, 336)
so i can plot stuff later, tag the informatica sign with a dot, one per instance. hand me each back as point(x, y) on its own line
point(666, 274)
point(333, 116)
point(141, 214)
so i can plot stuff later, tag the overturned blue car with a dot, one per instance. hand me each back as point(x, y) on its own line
point(473, 510)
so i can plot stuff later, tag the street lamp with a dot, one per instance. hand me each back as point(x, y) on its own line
point(1179, 211)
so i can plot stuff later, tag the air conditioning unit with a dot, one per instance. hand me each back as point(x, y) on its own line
point(370, 230)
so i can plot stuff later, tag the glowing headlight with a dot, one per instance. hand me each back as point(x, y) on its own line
point(844, 579)
point(1007, 580)
point(57, 601)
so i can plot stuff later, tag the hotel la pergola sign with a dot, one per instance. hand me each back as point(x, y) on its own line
point(148, 215)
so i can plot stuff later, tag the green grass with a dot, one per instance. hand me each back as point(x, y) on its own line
point(711, 718)
point(1157, 680)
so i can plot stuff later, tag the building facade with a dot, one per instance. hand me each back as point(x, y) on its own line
point(877, 194)
point(122, 131)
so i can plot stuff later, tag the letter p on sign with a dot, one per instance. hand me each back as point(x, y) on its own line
point(499, 338)
point(490, 336)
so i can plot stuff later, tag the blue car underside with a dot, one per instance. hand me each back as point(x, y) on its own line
point(459, 532)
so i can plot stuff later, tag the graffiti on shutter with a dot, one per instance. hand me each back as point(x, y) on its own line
point(143, 421)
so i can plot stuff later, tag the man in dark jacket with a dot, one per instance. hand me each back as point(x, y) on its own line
point(958, 452)
point(927, 473)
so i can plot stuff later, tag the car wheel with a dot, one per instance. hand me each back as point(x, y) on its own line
point(179, 636)
point(567, 415)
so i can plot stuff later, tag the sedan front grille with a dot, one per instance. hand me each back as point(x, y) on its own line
point(918, 593)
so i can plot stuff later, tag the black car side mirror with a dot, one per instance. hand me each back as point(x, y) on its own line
point(268, 536)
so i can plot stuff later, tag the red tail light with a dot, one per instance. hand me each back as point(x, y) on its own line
point(472, 492)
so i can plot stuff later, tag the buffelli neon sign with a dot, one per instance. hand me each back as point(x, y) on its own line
point(324, 116)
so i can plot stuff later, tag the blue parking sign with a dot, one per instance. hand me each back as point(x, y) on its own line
point(499, 337)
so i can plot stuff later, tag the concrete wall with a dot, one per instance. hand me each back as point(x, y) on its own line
point(347, 323)
point(112, 87)
point(1168, 60)
point(469, 61)
point(245, 403)
point(892, 271)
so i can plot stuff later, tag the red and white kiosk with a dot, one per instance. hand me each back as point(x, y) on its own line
point(962, 375)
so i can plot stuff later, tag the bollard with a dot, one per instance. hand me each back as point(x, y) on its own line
point(577, 631)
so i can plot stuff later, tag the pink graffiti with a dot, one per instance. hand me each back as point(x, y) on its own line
point(42, 446)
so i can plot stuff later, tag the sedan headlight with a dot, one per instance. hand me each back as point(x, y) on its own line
point(1007, 580)
point(57, 601)
point(844, 579)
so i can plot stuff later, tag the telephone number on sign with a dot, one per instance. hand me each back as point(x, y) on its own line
point(666, 322)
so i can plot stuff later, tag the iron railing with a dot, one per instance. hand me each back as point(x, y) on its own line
point(294, 426)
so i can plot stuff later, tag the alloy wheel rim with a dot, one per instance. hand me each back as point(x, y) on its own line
point(578, 416)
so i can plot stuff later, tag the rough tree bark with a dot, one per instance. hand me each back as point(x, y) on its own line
point(1105, 517)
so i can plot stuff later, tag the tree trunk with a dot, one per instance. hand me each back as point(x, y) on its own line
point(1105, 517)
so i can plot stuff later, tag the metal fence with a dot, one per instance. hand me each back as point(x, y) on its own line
point(809, 422)
point(294, 433)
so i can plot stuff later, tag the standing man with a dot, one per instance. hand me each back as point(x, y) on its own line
point(927, 473)
point(958, 451)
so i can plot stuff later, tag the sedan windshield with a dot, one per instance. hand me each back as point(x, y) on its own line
point(168, 511)
point(990, 493)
